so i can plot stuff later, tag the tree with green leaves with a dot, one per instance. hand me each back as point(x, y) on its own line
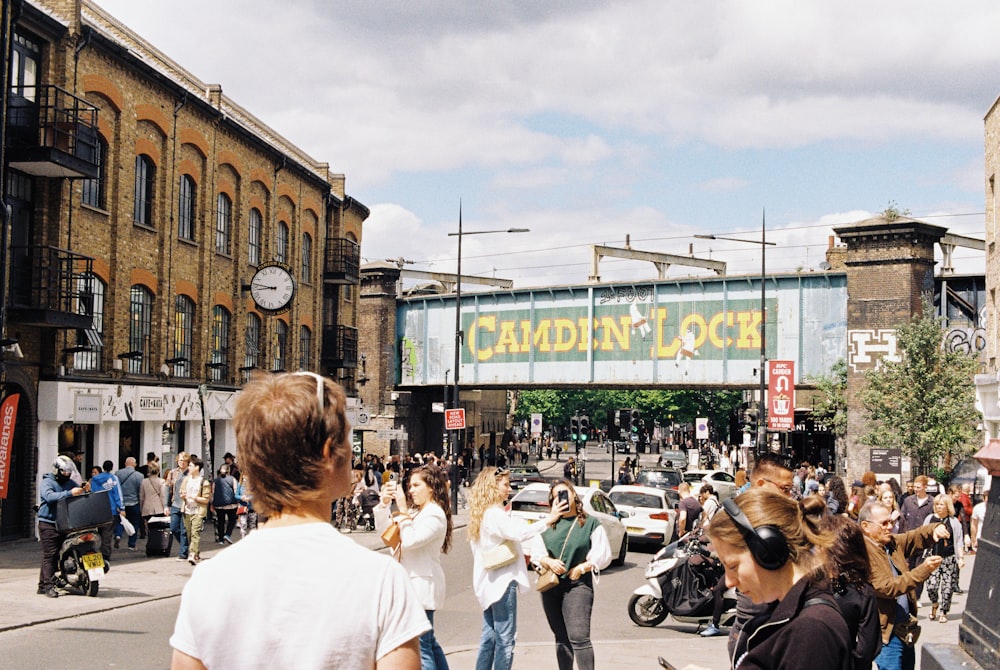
point(830, 408)
point(924, 403)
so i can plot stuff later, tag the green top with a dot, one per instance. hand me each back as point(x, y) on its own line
point(579, 541)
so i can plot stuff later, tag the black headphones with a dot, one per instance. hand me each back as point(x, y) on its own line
point(766, 543)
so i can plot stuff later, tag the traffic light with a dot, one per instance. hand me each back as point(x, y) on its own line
point(584, 428)
point(634, 420)
point(574, 428)
point(612, 425)
point(624, 420)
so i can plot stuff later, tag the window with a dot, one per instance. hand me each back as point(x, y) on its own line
point(305, 348)
point(93, 189)
point(25, 56)
point(280, 346)
point(307, 246)
point(252, 358)
point(220, 344)
point(142, 211)
point(91, 303)
point(223, 223)
point(185, 208)
point(183, 335)
point(253, 238)
point(281, 244)
point(140, 329)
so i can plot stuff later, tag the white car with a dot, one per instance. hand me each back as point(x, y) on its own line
point(651, 514)
point(532, 504)
point(723, 482)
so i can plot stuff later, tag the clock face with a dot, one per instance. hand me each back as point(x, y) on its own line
point(272, 288)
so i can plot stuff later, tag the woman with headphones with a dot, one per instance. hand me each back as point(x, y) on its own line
point(766, 545)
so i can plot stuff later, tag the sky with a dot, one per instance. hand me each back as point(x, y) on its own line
point(593, 122)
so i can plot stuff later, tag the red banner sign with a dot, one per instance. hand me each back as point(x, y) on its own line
point(8, 421)
point(780, 395)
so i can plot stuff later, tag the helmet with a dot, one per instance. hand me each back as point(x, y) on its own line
point(63, 465)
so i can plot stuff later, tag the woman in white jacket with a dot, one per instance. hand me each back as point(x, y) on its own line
point(496, 589)
point(424, 518)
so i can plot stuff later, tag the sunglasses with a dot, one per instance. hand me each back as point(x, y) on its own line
point(320, 395)
point(501, 472)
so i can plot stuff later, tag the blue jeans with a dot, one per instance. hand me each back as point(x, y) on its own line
point(496, 646)
point(178, 531)
point(431, 653)
point(896, 656)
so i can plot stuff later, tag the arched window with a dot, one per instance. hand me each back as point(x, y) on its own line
point(185, 208)
point(305, 348)
point(280, 346)
point(219, 363)
point(140, 330)
point(254, 236)
point(145, 172)
point(252, 358)
point(183, 336)
point(223, 224)
point(307, 246)
point(91, 340)
point(281, 243)
point(93, 189)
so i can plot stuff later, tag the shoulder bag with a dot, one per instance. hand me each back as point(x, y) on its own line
point(546, 578)
point(391, 539)
point(500, 556)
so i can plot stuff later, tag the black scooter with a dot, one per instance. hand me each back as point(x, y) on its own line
point(81, 564)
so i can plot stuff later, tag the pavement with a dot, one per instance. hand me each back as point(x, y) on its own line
point(135, 579)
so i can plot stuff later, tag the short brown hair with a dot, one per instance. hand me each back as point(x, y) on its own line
point(281, 433)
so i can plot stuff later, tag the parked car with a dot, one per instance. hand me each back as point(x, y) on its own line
point(723, 482)
point(661, 478)
point(522, 475)
point(651, 515)
point(622, 447)
point(532, 504)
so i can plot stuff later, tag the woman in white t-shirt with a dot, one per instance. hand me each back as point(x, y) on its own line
point(496, 589)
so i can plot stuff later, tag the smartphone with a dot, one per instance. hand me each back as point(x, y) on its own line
point(563, 496)
point(664, 663)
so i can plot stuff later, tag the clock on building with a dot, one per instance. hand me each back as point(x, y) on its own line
point(272, 287)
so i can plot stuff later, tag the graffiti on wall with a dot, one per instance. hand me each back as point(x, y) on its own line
point(867, 348)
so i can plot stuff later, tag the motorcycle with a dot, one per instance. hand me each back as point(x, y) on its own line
point(679, 582)
point(81, 563)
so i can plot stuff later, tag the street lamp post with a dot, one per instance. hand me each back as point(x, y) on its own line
point(459, 339)
point(764, 244)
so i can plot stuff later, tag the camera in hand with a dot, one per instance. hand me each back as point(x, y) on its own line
point(563, 496)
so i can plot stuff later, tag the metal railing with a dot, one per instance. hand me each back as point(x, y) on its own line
point(52, 117)
point(48, 278)
point(342, 261)
point(340, 347)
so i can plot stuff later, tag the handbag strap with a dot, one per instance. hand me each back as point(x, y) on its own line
point(563, 551)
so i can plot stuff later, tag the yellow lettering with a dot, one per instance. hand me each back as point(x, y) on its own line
point(489, 324)
point(664, 350)
point(696, 321)
point(507, 340)
point(565, 335)
point(749, 337)
point(541, 339)
point(713, 329)
point(620, 332)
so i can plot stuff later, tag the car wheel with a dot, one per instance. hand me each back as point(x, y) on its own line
point(620, 560)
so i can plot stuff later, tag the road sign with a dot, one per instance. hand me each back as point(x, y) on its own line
point(701, 428)
point(536, 424)
point(454, 419)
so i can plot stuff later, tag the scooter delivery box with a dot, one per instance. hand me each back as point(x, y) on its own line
point(83, 511)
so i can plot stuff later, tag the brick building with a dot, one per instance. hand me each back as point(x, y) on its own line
point(143, 203)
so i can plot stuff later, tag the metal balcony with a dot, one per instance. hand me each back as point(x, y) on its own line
point(340, 347)
point(48, 289)
point(342, 261)
point(52, 133)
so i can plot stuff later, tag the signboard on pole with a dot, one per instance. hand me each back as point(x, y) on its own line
point(781, 395)
point(886, 463)
point(454, 419)
point(701, 428)
point(536, 424)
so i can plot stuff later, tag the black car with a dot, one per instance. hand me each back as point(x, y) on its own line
point(623, 447)
point(522, 475)
point(661, 478)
